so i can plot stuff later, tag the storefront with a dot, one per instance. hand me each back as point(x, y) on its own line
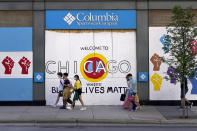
point(98, 45)
point(99, 40)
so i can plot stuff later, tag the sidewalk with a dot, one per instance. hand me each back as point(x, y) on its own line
point(95, 114)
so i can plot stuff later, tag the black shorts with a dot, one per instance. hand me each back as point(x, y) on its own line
point(79, 91)
point(60, 94)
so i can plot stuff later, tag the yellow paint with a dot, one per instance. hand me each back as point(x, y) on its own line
point(156, 79)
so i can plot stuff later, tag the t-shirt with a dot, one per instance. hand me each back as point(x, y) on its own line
point(133, 81)
point(66, 82)
point(77, 85)
point(61, 87)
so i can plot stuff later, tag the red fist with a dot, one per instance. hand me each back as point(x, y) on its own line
point(193, 46)
point(25, 64)
point(8, 63)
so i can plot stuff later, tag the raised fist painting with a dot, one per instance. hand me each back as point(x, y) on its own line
point(156, 79)
point(193, 46)
point(8, 64)
point(172, 74)
point(165, 42)
point(25, 64)
point(156, 61)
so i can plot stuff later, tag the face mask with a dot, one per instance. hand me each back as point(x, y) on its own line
point(74, 78)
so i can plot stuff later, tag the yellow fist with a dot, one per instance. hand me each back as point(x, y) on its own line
point(156, 79)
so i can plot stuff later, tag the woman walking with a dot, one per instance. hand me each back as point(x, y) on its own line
point(78, 91)
point(131, 93)
point(60, 88)
point(127, 103)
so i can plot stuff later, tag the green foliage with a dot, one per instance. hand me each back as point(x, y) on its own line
point(180, 32)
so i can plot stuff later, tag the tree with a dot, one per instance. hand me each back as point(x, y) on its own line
point(180, 46)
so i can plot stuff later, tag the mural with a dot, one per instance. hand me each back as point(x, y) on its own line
point(161, 89)
point(16, 64)
point(101, 58)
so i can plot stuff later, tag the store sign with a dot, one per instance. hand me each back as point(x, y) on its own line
point(90, 19)
point(101, 58)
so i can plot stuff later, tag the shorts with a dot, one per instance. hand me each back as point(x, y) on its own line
point(77, 94)
point(66, 93)
point(79, 91)
point(182, 93)
point(60, 94)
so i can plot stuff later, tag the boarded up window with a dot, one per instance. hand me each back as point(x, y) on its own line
point(15, 18)
point(162, 17)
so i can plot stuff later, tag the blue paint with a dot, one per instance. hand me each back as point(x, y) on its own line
point(38, 77)
point(15, 39)
point(142, 76)
point(194, 84)
point(16, 89)
point(166, 46)
point(91, 19)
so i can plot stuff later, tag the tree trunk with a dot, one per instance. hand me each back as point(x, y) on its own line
point(184, 99)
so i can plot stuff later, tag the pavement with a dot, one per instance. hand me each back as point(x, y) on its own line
point(96, 115)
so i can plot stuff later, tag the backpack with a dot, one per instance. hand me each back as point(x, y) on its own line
point(70, 86)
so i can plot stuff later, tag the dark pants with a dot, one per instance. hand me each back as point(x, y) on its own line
point(133, 102)
point(65, 102)
point(69, 101)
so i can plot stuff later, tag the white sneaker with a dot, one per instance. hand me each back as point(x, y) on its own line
point(83, 109)
point(69, 108)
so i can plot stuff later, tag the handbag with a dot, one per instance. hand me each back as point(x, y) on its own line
point(131, 98)
point(122, 97)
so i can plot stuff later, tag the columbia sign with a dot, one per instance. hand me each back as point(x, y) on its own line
point(90, 19)
point(69, 18)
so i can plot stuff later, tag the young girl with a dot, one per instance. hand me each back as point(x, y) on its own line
point(78, 91)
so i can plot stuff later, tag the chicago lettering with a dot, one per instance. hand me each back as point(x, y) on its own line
point(112, 66)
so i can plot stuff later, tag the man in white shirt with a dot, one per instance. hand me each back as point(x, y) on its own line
point(60, 88)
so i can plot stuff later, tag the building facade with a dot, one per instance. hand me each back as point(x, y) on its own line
point(100, 40)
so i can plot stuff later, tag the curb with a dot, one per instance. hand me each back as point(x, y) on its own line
point(104, 121)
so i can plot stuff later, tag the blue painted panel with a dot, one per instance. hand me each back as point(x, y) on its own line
point(15, 39)
point(91, 19)
point(16, 89)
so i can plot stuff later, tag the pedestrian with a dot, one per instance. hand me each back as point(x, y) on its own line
point(131, 92)
point(66, 91)
point(127, 103)
point(60, 88)
point(77, 90)
point(183, 98)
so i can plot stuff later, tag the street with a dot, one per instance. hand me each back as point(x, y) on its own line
point(96, 128)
